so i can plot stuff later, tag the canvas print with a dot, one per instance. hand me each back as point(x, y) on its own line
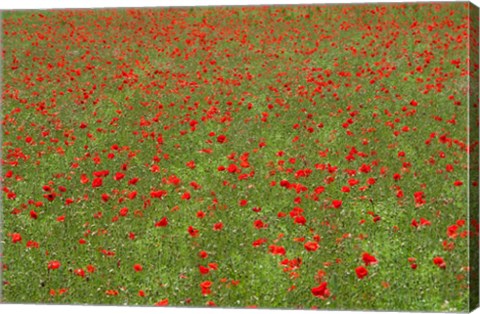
point(316, 156)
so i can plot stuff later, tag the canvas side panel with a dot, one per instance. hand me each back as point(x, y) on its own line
point(474, 158)
point(1, 155)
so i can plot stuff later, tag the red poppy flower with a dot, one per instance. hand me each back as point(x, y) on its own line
point(97, 182)
point(361, 272)
point(439, 262)
point(50, 196)
point(12, 195)
point(132, 195)
point(137, 267)
point(259, 242)
point(353, 182)
point(258, 224)
point(158, 194)
point(336, 203)
point(162, 222)
point(16, 237)
point(79, 272)
point(105, 197)
point(163, 302)
point(277, 250)
point(190, 164)
point(118, 176)
point(232, 168)
point(111, 292)
point(300, 220)
point(102, 173)
point(414, 223)
point(133, 181)
point(452, 231)
point(33, 244)
point(369, 259)
point(195, 185)
point(218, 226)
point(203, 270)
point(53, 265)
point(311, 246)
point(186, 196)
point(192, 231)
point(321, 291)
point(206, 285)
point(285, 184)
point(91, 268)
point(425, 222)
point(221, 139)
point(123, 212)
point(319, 190)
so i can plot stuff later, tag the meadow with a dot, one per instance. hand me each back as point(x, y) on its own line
point(300, 157)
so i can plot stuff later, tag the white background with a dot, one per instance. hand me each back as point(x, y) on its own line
point(47, 4)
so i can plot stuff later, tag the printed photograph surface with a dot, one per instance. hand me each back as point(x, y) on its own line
point(319, 156)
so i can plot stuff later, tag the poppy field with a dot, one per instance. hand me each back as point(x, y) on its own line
point(297, 157)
